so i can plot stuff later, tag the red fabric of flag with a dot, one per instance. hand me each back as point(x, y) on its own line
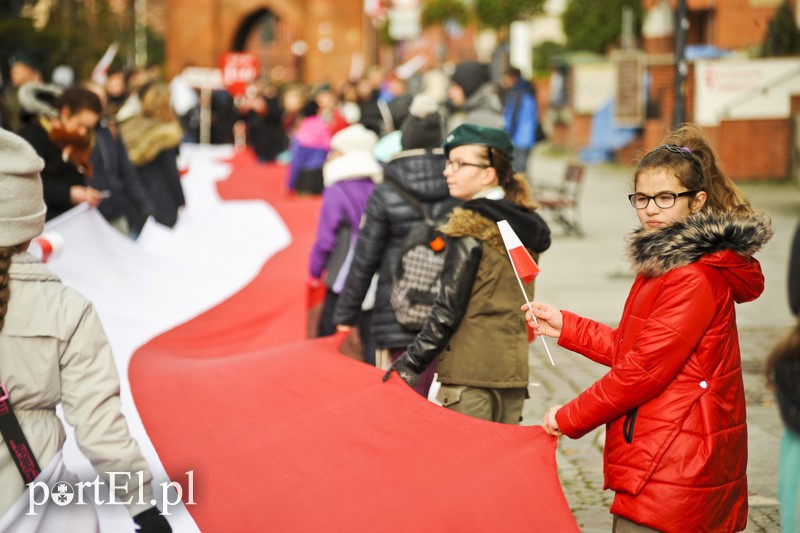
point(286, 434)
point(524, 264)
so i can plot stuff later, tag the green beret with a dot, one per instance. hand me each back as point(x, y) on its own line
point(481, 135)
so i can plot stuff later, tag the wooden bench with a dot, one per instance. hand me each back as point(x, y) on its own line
point(561, 202)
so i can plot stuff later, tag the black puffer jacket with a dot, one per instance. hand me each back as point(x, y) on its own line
point(388, 218)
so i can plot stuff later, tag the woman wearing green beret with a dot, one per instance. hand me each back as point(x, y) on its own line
point(475, 330)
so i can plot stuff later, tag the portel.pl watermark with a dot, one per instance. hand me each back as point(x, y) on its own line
point(62, 493)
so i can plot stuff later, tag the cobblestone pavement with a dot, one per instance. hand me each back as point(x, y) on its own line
point(589, 276)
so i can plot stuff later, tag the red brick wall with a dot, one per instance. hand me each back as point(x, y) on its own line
point(736, 23)
point(748, 149)
point(214, 22)
point(755, 149)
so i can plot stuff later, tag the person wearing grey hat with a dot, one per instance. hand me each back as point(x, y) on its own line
point(422, 128)
point(475, 333)
point(53, 351)
point(22, 209)
point(473, 97)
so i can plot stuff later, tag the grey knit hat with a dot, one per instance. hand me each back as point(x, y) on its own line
point(22, 208)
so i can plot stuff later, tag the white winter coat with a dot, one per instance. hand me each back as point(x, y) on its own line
point(53, 350)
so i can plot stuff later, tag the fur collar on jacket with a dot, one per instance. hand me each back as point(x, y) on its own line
point(478, 219)
point(145, 138)
point(468, 223)
point(37, 99)
point(653, 253)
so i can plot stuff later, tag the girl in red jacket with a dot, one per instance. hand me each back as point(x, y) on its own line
point(673, 400)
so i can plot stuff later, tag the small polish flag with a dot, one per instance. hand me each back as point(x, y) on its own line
point(524, 265)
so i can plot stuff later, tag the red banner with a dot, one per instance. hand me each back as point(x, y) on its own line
point(239, 69)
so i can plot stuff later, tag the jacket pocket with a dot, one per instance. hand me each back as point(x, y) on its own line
point(449, 394)
point(629, 424)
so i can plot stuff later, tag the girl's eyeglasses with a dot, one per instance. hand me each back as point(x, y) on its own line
point(457, 164)
point(664, 200)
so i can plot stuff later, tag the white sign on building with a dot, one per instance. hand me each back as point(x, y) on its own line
point(744, 89)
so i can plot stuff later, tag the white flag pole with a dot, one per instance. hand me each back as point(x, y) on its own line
point(525, 295)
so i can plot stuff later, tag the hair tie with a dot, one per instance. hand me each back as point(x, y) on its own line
point(686, 153)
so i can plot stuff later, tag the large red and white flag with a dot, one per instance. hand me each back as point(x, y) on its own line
point(524, 265)
point(208, 323)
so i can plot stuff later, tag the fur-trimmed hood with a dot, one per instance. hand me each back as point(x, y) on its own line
point(37, 99)
point(145, 138)
point(478, 219)
point(723, 240)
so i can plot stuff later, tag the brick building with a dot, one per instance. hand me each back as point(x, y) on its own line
point(302, 40)
point(751, 147)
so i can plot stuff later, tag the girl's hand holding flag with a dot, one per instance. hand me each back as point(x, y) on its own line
point(525, 268)
point(543, 319)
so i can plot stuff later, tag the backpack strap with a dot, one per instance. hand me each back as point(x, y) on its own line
point(421, 209)
point(419, 206)
point(17, 444)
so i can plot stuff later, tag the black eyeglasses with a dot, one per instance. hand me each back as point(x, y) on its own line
point(664, 200)
point(457, 164)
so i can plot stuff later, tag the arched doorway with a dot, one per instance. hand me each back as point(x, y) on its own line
point(264, 33)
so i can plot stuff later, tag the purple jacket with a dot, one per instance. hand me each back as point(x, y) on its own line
point(343, 201)
point(309, 148)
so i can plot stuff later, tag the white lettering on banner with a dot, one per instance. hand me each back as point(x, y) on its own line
point(239, 69)
point(63, 493)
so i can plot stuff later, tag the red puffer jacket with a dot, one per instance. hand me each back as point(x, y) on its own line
point(673, 401)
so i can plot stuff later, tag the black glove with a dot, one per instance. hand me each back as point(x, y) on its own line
point(406, 369)
point(151, 521)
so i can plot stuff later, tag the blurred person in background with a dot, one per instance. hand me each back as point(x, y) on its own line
point(262, 113)
point(783, 376)
point(152, 138)
point(350, 174)
point(25, 68)
point(294, 99)
point(473, 97)
point(185, 101)
point(62, 133)
point(416, 171)
point(127, 204)
point(521, 116)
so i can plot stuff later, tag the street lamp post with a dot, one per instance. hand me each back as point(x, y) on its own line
point(680, 64)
